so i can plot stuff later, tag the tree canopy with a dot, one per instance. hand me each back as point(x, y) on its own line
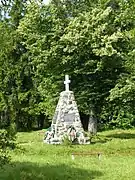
point(92, 41)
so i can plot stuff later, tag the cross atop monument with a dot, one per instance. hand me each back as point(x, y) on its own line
point(67, 82)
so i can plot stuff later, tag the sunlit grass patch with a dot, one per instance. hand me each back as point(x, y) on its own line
point(34, 160)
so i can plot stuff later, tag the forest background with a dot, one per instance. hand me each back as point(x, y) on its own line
point(91, 40)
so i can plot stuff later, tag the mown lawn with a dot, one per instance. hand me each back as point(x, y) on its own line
point(34, 160)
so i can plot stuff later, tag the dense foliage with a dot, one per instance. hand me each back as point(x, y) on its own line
point(7, 142)
point(92, 41)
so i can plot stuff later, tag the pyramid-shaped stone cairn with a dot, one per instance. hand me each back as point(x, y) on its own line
point(66, 122)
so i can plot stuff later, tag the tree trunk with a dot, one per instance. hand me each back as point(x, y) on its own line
point(92, 125)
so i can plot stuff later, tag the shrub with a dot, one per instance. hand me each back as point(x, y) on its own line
point(7, 143)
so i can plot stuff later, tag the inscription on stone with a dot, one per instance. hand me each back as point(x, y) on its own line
point(69, 118)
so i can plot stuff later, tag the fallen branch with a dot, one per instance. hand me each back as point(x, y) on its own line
point(86, 154)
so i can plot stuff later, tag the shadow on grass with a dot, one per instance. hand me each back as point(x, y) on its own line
point(33, 171)
point(122, 136)
point(100, 139)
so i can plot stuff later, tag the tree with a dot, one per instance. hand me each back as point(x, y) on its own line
point(7, 143)
point(91, 47)
point(41, 34)
point(18, 96)
point(93, 43)
point(122, 95)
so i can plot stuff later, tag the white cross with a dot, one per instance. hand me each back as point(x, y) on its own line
point(66, 82)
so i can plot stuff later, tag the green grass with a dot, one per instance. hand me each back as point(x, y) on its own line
point(34, 160)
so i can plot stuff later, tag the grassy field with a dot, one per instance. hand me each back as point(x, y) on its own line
point(34, 160)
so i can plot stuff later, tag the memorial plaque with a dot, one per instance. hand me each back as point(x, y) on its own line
point(69, 118)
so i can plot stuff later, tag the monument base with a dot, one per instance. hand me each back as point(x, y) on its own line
point(66, 122)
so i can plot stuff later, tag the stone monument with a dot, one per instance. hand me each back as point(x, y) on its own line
point(66, 121)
